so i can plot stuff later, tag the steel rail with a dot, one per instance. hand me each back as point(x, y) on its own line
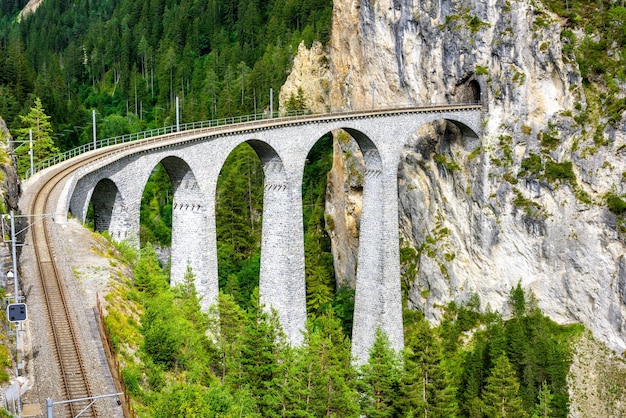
point(74, 382)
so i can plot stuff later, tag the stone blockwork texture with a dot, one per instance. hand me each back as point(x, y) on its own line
point(194, 168)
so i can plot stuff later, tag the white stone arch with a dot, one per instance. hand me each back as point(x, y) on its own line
point(189, 225)
point(106, 201)
point(281, 278)
point(378, 299)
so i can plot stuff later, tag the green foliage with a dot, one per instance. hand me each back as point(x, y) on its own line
point(616, 203)
point(235, 362)
point(37, 121)
point(409, 262)
point(220, 57)
point(343, 308)
point(500, 397)
point(599, 49)
point(296, 102)
point(428, 386)
point(532, 165)
point(149, 277)
point(261, 345)
point(474, 23)
point(330, 381)
point(560, 171)
point(482, 70)
point(530, 208)
point(184, 400)
point(380, 379)
point(155, 214)
point(517, 301)
point(239, 203)
point(543, 407)
point(319, 269)
point(447, 162)
point(548, 139)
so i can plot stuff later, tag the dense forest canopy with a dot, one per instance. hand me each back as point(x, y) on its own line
point(219, 57)
point(472, 364)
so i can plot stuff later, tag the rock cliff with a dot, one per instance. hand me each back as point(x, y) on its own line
point(525, 203)
point(10, 189)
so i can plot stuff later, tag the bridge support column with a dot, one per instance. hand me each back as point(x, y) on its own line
point(191, 240)
point(378, 298)
point(190, 248)
point(282, 284)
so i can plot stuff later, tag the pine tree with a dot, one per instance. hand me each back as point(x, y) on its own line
point(330, 378)
point(473, 378)
point(43, 145)
point(428, 388)
point(228, 321)
point(262, 343)
point(148, 275)
point(380, 379)
point(543, 409)
point(500, 398)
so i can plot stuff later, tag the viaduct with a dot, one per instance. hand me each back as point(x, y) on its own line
point(193, 159)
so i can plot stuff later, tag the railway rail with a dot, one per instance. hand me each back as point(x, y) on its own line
point(63, 332)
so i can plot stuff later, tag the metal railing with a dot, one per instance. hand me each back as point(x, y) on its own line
point(276, 118)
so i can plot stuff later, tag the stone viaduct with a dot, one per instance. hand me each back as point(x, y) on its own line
point(193, 161)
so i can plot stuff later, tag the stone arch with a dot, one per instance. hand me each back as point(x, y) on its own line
point(105, 200)
point(189, 224)
point(470, 136)
point(378, 302)
point(281, 276)
point(334, 269)
point(273, 166)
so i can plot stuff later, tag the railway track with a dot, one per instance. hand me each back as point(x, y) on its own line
point(74, 382)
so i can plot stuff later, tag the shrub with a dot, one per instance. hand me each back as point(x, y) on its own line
point(532, 164)
point(616, 204)
point(560, 171)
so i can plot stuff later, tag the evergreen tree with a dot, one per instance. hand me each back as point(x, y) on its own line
point(428, 387)
point(227, 328)
point(330, 378)
point(262, 345)
point(543, 408)
point(162, 329)
point(43, 145)
point(474, 370)
point(148, 275)
point(380, 379)
point(500, 398)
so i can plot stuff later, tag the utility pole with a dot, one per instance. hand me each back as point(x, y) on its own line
point(30, 152)
point(93, 117)
point(177, 116)
point(271, 102)
point(16, 311)
point(15, 301)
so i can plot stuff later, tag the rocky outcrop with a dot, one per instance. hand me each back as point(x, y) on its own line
point(30, 7)
point(10, 189)
point(524, 204)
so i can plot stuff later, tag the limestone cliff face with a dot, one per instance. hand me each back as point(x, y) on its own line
point(478, 218)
